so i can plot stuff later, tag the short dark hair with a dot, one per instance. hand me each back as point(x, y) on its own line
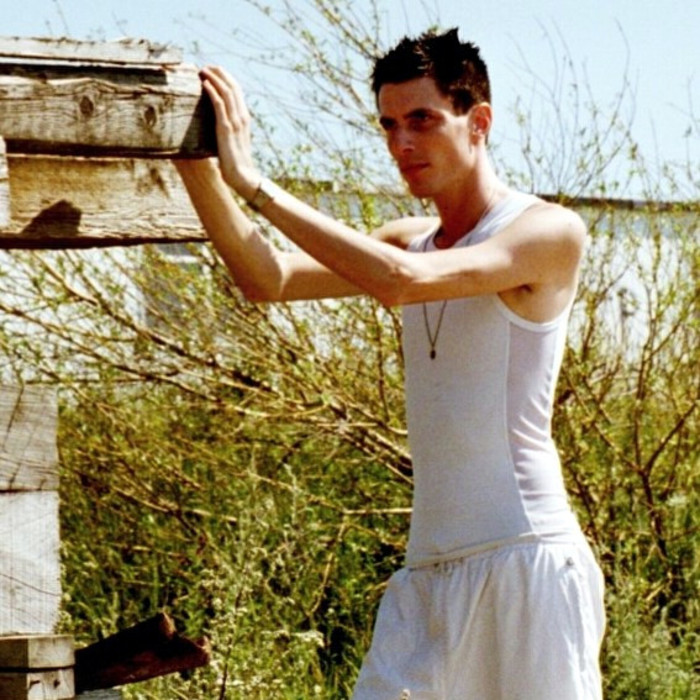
point(457, 68)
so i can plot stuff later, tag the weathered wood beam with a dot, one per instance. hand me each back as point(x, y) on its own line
point(4, 186)
point(68, 202)
point(120, 52)
point(30, 581)
point(28, 450)
point(37, 651)
point(37, 667)
point(53, 684)
point(102, 103)
point(149, 649)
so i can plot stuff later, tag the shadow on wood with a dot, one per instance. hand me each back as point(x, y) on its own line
point(62, 219)
point(149, 649)
point(66, 202)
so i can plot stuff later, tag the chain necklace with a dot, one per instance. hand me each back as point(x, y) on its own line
point(433, 338)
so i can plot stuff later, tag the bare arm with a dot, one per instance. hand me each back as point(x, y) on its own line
point(540, 251)
point(261, 271)
point(537, 254)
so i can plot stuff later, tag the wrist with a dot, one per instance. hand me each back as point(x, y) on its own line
point(263, 193)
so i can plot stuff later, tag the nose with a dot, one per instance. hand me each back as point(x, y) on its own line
point(400, 142)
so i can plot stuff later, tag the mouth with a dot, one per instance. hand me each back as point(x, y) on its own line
point(409, 170)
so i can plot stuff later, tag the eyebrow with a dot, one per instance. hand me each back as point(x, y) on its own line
point(417, 112)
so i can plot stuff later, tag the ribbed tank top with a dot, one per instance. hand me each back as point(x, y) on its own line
point(486, 470)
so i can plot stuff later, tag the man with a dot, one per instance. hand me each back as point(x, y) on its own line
point(500, 597)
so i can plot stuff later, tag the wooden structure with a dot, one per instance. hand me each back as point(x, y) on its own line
point(30, 589)
point(88, 128)
point(86, 131)
point(36, 667)
point(149, 649)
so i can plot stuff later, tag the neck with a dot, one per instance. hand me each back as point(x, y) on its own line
point(465, 207)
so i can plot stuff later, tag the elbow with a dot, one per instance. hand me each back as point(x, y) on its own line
point(261, 285)
point(255, 296)
point(258, 293)
point(394, 288)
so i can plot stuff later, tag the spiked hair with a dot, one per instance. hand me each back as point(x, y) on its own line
point(457, 68)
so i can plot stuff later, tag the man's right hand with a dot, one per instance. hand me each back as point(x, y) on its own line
point(233, 122)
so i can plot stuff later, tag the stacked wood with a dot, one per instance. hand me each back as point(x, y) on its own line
point(30, 588)
point(89, 128)
point(38, 667)
point(86, 129)
point(101, 98)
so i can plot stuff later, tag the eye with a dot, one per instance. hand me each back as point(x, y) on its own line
point(387, 124)
point(420, 120)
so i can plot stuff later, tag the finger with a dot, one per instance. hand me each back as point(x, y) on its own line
point(220, 111)
point(220, 73)
point(229, 89)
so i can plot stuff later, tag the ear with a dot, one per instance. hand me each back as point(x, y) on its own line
point(481, 118)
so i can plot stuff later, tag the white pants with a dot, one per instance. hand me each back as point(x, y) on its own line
point(521, 622)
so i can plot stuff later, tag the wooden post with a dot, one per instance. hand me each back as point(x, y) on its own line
point(5, 214)
point(34, 663)
point(30, 588)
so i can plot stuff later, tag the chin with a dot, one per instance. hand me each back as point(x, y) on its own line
point(420, 191)
point(415, 186)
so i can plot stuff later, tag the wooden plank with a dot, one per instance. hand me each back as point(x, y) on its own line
point(120, 52)
point(28, 450)
point(105, 694)
point(149, 649)
point(57, 684)
point(30, 582)
point(5, 215)
point(37, 652)
point(115, 112)
point(77, 202)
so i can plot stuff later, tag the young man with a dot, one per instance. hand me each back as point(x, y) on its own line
point(500, 597)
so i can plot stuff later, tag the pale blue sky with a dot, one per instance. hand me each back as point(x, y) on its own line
point(657, 38)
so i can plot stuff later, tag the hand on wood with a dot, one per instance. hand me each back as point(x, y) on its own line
point(232, 130)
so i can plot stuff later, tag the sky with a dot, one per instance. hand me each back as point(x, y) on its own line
point(652, 43)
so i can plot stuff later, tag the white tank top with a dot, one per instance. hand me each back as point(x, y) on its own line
point(486, 471)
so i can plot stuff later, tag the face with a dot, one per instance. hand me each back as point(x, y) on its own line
point(432, 145)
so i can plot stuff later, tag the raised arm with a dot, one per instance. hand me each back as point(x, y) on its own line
point(537, 255)
point(262, 271)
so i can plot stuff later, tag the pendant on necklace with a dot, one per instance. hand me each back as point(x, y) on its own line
point(433, 338)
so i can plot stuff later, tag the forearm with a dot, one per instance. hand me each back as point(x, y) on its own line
point(356, 260)
point(256, 265)
point(366, 263)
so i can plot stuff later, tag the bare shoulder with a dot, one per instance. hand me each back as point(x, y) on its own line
point(400, 232)
point(552, 228)
point(557, 220)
